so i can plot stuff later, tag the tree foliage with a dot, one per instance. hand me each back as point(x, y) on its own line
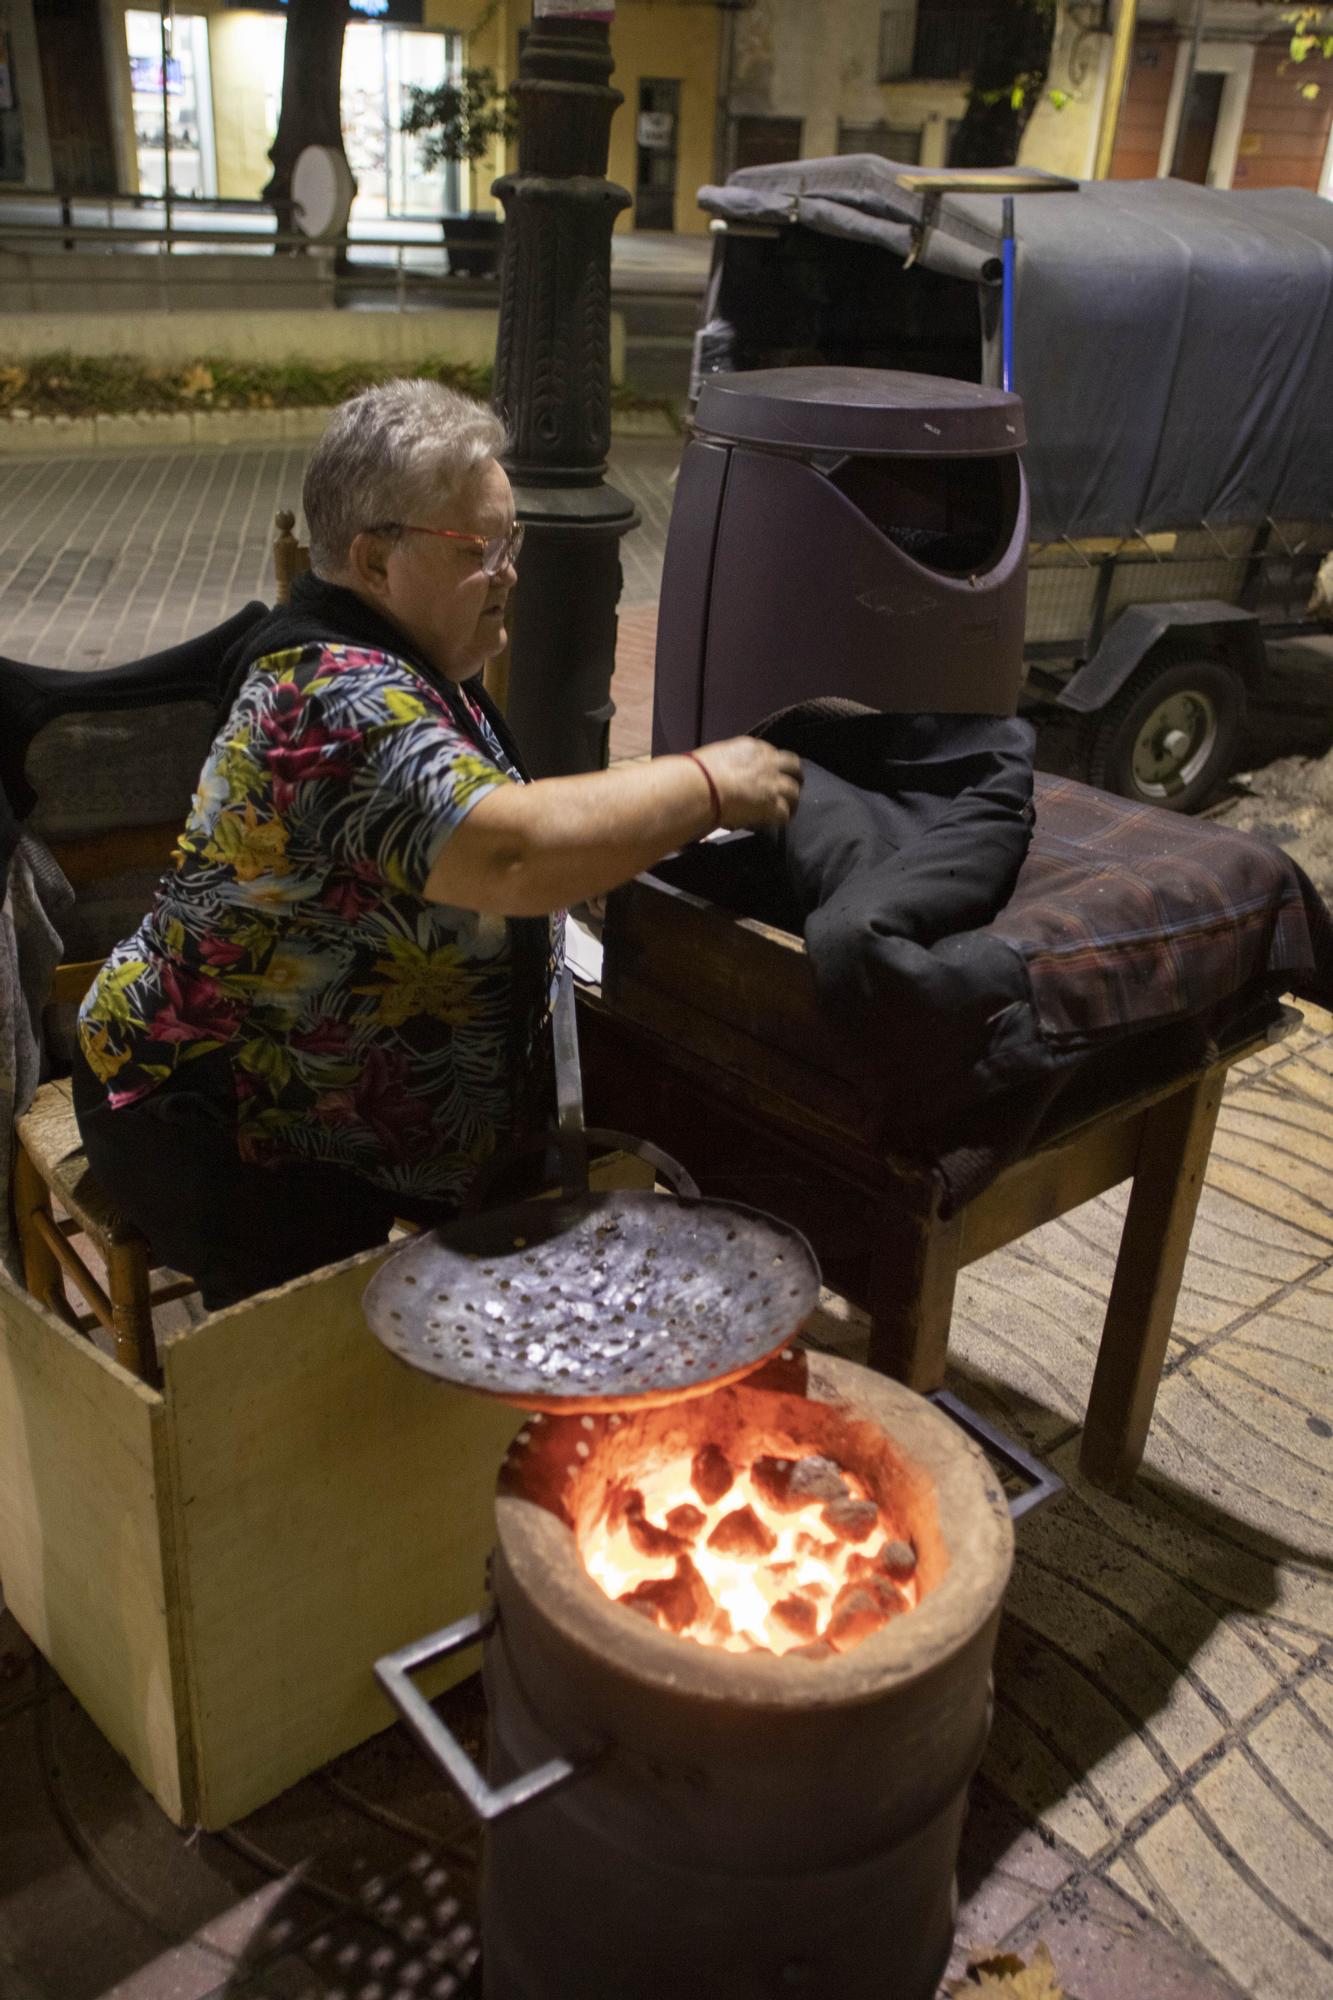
point(1007, 85)
point(458, 121)
point(1310, 40)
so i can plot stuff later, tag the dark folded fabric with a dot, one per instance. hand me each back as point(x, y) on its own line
point(996, 977)
point(908, 838)
point(32, 696)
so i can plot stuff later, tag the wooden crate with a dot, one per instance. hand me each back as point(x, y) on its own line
point(708, 1035)
point(213, 1568)
point(740, 995)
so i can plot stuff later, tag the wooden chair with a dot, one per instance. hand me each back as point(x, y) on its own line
point(290, 557)
point(49, 1168)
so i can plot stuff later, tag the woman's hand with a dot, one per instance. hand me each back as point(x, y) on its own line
point(756, 784)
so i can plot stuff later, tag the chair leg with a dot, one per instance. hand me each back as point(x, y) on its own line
point(131, 1309)
point(41, 1267)
point(912, 1281)
point(1164, 1197)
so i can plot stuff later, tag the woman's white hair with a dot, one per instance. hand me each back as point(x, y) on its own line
point(388, 454)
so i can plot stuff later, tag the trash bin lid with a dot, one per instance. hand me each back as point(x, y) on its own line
point(871, 411)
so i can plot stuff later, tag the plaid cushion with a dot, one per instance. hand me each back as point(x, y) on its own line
point(1128, 916)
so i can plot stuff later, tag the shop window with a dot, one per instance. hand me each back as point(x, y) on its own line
point(187, 149)
point(380, 64)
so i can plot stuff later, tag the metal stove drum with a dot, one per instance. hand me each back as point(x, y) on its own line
point(744, 1604)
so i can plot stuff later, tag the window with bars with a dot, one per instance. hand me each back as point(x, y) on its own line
point(891, 142)
point(931, 39)
point(949, 35)
point(897, 31)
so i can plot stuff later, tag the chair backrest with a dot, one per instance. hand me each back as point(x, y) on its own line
point(290, 557)
point(102, 767)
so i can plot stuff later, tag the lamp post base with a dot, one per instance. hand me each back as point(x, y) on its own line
point(558, 700)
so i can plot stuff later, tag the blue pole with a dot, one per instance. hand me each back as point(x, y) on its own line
point(1007, 296)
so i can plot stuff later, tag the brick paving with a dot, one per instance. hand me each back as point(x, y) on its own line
point(106, 556)
point(1155, 1800)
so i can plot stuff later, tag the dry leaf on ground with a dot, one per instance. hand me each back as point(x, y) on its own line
point(1005, 1976)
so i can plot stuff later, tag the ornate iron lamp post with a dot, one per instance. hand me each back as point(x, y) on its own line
point(553, 385)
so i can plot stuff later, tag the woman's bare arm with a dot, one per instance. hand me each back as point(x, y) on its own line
point(524, 850)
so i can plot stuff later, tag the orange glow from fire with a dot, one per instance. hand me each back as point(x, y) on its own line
point(819, 1573)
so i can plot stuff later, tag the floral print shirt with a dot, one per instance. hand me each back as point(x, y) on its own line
point(366, 1026)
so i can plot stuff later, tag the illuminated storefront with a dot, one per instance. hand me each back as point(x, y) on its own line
point(187, 102)
point(228, 60)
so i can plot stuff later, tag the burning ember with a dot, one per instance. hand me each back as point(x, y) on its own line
point(784, 1555)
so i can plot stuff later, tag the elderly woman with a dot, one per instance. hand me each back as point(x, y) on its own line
point(338, 1007)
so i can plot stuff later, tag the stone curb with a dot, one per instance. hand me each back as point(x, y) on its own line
point(167, 430)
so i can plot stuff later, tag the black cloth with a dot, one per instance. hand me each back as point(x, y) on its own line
point(32, 696)
point(907, 840)
point(172, 1164)
point(1129, 945)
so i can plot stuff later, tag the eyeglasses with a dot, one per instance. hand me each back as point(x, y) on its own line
point(494, 554)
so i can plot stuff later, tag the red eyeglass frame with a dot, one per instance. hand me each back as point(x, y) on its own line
point(508, 545)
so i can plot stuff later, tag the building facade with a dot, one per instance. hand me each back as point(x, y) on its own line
point(1236, 116)
point(102, 96)
point(891, 77)
point(89, 88)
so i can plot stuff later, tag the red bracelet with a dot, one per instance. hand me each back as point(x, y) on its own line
point(712, 788)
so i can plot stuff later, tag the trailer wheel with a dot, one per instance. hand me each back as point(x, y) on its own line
point(1169, 737)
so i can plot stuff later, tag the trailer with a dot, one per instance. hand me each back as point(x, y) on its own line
point(1173, 346)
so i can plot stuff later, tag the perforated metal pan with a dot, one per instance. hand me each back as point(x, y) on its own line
point(596, 1301)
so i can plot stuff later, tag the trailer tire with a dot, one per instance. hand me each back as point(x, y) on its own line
point(1169, 737)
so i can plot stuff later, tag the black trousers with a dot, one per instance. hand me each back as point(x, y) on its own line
point(171, 1165)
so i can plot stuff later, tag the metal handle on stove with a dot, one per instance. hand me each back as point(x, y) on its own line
point(489, 1802)
point(1045, 1483)
point(573, 1140)
point(595, 1138)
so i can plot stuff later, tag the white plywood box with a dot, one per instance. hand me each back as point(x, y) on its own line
point(213, 1569)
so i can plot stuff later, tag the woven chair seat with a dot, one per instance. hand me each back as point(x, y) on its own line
point(49, 1134)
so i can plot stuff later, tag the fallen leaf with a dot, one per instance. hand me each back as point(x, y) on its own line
point(1005, 1976)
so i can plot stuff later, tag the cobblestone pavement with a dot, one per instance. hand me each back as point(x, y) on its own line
point(104, 557)
point(1156, 1799)
point(1164, 1676)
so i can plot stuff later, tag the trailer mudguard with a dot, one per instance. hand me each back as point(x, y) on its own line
point(1137, 630)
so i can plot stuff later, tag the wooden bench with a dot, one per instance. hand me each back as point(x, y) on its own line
point(706, 1033)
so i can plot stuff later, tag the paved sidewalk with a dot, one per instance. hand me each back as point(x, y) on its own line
point(1156, 1799)
point(104, 558)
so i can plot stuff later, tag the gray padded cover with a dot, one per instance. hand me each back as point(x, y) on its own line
point(1173, 344)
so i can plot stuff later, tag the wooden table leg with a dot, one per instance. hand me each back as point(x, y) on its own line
point(914, 1271)
point(1164, 1195)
